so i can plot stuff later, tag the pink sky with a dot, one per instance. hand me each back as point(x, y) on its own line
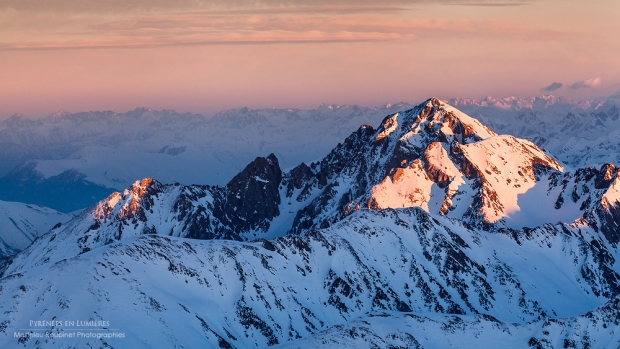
point(204, 56)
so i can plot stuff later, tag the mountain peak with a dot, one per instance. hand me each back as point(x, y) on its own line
point(437, 120)
point(253, 195)
point(17, 120)
point(59, 114)
point(142, 109)
point(435, 157)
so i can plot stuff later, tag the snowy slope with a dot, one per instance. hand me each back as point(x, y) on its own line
point(578, 133)
point(167, 292)
point(596, 329)
point(20, 224)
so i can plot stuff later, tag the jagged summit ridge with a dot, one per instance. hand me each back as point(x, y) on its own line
point(432, 156)
point(434, 117)
point(241, 210)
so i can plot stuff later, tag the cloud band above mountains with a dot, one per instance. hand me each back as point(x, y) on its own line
point(337, 22)
point(554, 86)
point(592, 82)
point(130, 6)
point(588, 83)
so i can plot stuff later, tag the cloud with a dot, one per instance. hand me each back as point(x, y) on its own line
point(286, 25)
point(592, 82)
point(491, 3)
point(151, 23)
point(552, 87)
point(141, 6)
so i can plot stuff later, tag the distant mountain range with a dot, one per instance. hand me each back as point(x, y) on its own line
point(94, 153)
point(578, 133)
point(430, 230)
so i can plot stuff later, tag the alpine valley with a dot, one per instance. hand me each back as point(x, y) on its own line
point(429, 231)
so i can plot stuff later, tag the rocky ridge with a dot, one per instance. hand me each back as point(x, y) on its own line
point(432, 156)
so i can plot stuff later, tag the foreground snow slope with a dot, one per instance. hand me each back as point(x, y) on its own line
point(20, 224)
point(596, 329)
point(174, 292)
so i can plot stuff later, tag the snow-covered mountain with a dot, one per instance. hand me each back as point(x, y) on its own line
point(92, 154)
point(579, 134)
point(67, 192)
point(20, 224)
point(89, 155)
point(432, 156)
point(431, 221)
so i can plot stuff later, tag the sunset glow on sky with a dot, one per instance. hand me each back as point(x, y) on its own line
point(205, 56)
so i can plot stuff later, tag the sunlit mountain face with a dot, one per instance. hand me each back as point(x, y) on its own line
point(424, 229)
